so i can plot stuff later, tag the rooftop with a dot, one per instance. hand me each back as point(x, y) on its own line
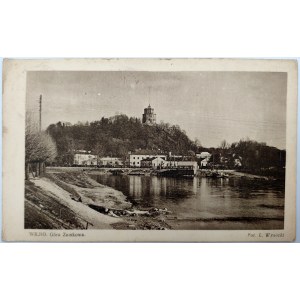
point(150, 158)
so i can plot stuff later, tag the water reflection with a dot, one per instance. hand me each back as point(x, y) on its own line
point(202, 197)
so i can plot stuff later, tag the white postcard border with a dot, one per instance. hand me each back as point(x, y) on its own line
point(14, 96)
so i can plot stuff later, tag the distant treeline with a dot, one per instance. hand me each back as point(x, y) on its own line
point(250, 156)
point(119, 135)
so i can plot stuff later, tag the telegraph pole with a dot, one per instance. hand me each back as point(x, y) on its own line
point(40, 112)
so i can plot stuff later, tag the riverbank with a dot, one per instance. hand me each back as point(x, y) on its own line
point(71, 199)
point(200, 172)
point(243, 174)
point(49, 205)
point(234, 173)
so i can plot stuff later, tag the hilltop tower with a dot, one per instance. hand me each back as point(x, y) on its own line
point(149, 117)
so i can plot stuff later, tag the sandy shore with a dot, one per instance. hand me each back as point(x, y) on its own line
point(61, 191)
point(67, 199)
point(233, 173)
point(242, 174)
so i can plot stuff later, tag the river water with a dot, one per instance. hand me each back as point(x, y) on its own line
point(231, 203)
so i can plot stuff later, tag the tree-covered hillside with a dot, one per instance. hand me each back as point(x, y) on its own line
point(117, 136)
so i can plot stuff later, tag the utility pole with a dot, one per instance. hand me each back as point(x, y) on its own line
point(40, 112)
point(39, 166)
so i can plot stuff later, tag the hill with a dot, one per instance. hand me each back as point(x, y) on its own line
point(117, 136)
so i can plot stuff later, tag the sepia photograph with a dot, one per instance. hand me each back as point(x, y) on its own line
point(155, 150)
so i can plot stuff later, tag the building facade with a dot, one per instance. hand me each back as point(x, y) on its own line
point(204, 158)
point(203, 155)
point(158, 162)
point(85, 159)
point(136, 159)
point(189, 164)
point(204, 162)
point(149, 117)
point(181, 165)
point(146, 162)
point(153, 162)
point(110, 162)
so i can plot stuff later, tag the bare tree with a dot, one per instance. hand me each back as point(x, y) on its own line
point(39, 147)
point(224, 145)
point(198, 143)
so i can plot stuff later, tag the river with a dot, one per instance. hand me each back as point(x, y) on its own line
point(206, 203)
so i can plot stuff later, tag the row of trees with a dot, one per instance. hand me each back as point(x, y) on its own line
point(249, 156)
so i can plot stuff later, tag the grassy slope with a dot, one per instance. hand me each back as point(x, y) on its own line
point(44, 211)
point(49, 204)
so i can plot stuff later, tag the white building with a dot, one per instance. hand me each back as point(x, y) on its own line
point(110, 161)
point(204, 162)
point(85, 159)
point(175, 157)
point(170, 163)
point(182, 164)
point(188, 164)
point(153, 162)
point(157, 162)
point(135, 159)
point(204, 158)
point(203, 155)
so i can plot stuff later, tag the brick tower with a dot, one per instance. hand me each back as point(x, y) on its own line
point(149, 117)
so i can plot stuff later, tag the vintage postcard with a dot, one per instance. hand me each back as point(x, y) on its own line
point(149, 150)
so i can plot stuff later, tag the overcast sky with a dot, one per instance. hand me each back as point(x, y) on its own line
point(209, 106)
